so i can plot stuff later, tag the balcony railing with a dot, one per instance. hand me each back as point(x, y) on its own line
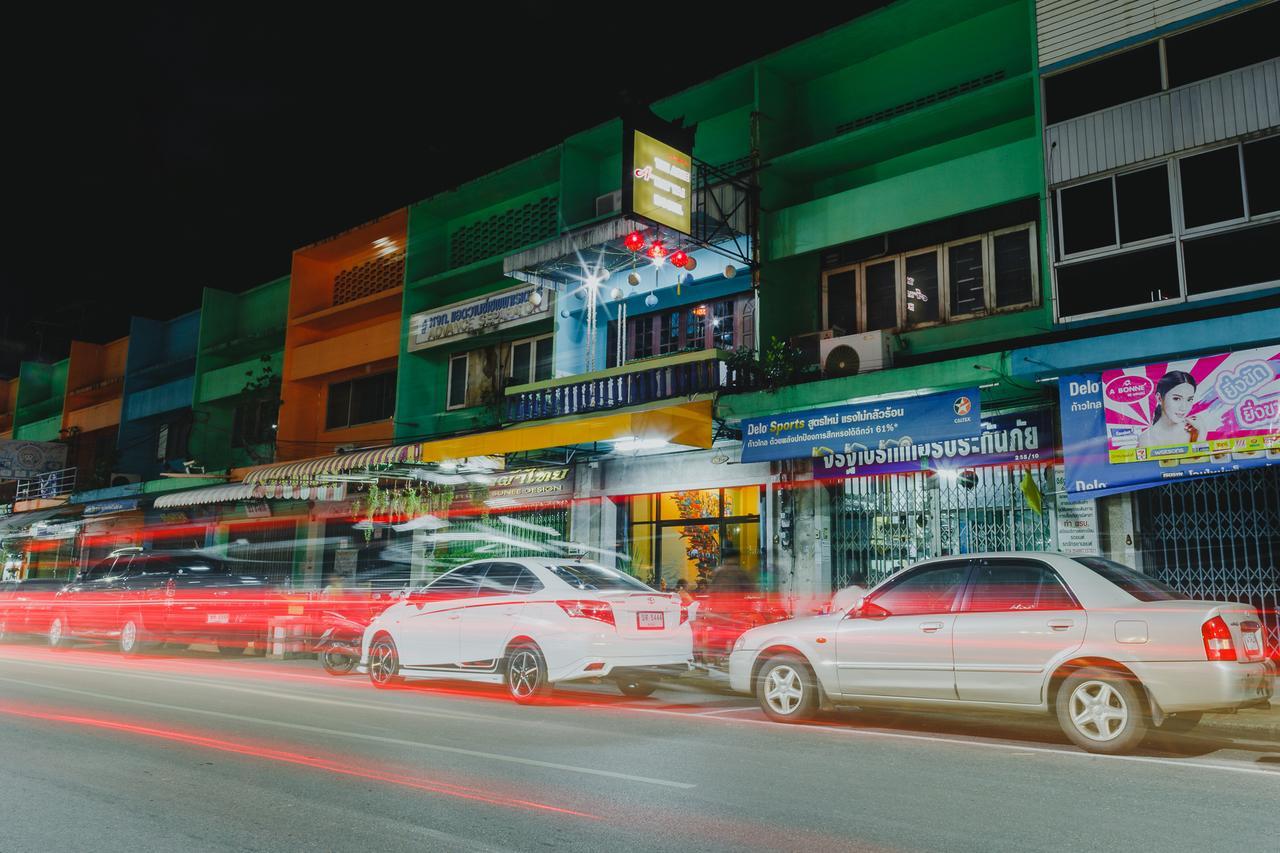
point(666, 378)
point(54, 484)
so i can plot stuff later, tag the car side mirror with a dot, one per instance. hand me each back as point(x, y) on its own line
point(867, 610)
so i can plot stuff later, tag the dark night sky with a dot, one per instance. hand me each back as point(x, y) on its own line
point(157, 152)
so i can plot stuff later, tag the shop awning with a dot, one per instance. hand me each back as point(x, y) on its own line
point(686, 424)
point(306, 471)
point(210, 495)
point(19, 521)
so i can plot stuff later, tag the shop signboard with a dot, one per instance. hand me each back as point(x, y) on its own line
point(843, 430)
point(660, 181)
point(460, 320)
point(1227, 403)
point(1005, 439)
point(111, 506)
point(30, 459)
point(1075, 524)
point(1087, 448)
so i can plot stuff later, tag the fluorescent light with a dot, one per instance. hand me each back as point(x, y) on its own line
point(631, 444)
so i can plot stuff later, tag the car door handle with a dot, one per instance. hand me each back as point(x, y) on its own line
point(455, 615)
point(930, 627)
point(1061, 624)
point(512, 612)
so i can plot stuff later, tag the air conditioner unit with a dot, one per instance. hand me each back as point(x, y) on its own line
point(121, 479)
point(852, 354)
point(810, 343)
point(609, 203)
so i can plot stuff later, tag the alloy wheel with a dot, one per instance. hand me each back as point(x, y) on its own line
point(128, 637)
point(523, 674)
point(383, 665)
point(55, 632)
point(1098, 711)
point(784, 689)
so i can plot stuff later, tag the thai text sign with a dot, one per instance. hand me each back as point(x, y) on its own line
point(1194, 408)
point(29, 459)
point(1022, 437)
point(661, 182)
point(856, 427)
point(532, 484)
point(490, 313)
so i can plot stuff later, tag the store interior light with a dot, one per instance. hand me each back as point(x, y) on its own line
point(632, 444)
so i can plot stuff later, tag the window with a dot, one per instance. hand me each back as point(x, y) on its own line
point(582, 576)
point(1142, 204)
point(965, 281)
point(361, 401)
point(1001, 585)
point(1128, 279)
point(1211, 187)
point(1087, 216)
point(531, 360)
point(1107, 82)
point(668, 332)
point(1232, 259)
point(929, 589)
point(1011, 264)
point(923, 288)
point(724, 323)
point(882, 295)
point(1135, 583)
point(1262, 174)
point(1223, 45)
point(642, 336)
point(457, 392)
point(462, 582)
point(509, 579)
point(254, 423)
point(842, 300)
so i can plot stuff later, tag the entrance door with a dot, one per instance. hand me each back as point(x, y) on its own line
point(429, 631)
point(899, 643)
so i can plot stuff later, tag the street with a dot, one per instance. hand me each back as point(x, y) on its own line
point(189, 751)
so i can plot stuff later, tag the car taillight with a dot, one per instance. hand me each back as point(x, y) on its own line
point(601, 611)
point(1217, 640)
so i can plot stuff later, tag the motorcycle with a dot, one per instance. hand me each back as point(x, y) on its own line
point(338, 646)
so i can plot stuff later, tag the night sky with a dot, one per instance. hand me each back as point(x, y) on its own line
point(157, 152)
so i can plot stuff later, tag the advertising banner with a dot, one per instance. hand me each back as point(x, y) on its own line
point(30, 459)
point(1086, 449)
point(1195, 408)
point(1021, 437)
point(661, 182)
point(491, 313)
point(862, 426)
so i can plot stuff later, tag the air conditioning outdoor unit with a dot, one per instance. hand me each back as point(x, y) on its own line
point(122, 479)
point(853, 354)
point(609, 203)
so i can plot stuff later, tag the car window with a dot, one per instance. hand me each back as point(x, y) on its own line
point(103, 569)
point(461, 581)
point(588, 577)
point(1001, 585)
point(508, 579)
point(1140, 586)
point(928, 589)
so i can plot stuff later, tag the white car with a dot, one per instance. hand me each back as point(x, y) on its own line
point(1107, 649)
point(528, 623)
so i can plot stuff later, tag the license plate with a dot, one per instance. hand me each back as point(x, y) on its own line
point(1251, 643)
point(218, 618)
point(648, 620)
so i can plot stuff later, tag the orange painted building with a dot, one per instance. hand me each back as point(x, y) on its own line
point(343, 341)
point(91, 408)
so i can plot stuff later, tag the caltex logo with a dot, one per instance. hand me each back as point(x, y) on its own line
point(962, 406)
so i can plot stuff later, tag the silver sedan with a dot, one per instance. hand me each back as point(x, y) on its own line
point(1108, 650)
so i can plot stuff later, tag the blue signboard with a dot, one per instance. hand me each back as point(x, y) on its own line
point(844, 429)
point(107, 507)
point(1090, 473)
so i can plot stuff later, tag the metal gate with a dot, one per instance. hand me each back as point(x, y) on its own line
point(884, 523)
point(1217, 538)
point(525, 533)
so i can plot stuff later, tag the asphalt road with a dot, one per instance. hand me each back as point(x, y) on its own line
point(186, 751)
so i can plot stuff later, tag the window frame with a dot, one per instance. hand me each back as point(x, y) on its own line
point(533, 343)
point(966, 565)
point(971, 584)
point(351, 399)
point(1222, 224)
point(449, 405)
point(936, 251)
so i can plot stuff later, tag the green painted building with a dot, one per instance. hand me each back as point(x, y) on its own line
point(41, 390)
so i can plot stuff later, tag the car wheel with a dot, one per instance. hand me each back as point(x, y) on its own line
point(787, 690)
point(1180, 724)
point(59, 633)
point(1100, 711)
point(3, 630)
point(384, 662)
point(132, 637)
point(337, 662)
point(526, 674)
point(636, 688)
point(230, 648)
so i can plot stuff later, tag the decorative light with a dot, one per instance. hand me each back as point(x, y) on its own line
point(634, 241)
point(564, 313)
point(633, 279)
point(651, 300)
point(730, 270)
point(616, 293)
point(535, 297)
point(657, 251)
point(691, 264)
point(679, 258)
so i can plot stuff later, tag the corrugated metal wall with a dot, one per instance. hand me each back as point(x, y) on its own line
point(1223, 107)
point(1068, 28)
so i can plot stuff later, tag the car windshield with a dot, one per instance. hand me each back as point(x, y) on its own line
point(1140, 586)
point(580, 576)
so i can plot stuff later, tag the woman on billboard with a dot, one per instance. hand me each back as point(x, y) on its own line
point(1175, 395)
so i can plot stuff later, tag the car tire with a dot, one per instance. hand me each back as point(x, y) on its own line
point(230, 648)
point(133, 638)
point(636, 688)
point(1101, 711)
point(384, 663)
point(59, 633)
point(3, 630)
point(525, 674)
point(337, 663)
point(787, 690)
point(1179, 724)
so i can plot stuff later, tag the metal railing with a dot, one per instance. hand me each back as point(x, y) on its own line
point(53, 484)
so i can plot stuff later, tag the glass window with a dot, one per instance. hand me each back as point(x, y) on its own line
point(1088, 217)
point(531, 360)
point(695, 334)
point(722, 325)
point(461, 582)
point(1262, 172)
point(1119, 281)
point(1234, 259)
point(508, 579)
point(583, 576)
point(521, 360)
point(965, 279)
point(1143, 202)
point(542, 363)
point(1211, 187)
point(642, 336)
point(338, 412)
point(1107, 82)
point(929, 589)
point(458, 381)
point(1011, 262)
point(1140, 586)
point(923, 303)
point(842, 300)
point(1000, 585)
point(881, 282)
point(668, 332)
point(361, 401)
point(1223, 45)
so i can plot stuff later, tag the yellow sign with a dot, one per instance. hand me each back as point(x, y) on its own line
point(661, 183)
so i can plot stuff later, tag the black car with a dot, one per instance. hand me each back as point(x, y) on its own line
point(25, 605)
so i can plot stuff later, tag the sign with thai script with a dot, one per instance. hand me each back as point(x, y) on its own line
point(863, 426)
point(108, 507)
point(1193, 409)
point(491, 313)
point(661, 182)
point(533, 484)
point(1022, 437)
point(30, 459)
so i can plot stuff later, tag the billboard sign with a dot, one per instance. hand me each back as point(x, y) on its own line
point(658, 183)
point(460, 320)
point(30, 459)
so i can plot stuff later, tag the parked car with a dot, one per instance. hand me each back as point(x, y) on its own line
point(25, 605)
point(1108, 650)
point(528, 623)
point(141, 598)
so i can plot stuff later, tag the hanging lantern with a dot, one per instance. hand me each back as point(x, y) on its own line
point(651, 300)
point(679, 258)
point(691, 264)
point(535, 298)
point(616, 293)
point(657, 251)
point(730, 270)
point(634, 241)
point(633, 279)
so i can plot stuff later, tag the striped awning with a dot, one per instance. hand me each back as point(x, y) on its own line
point(310, 471)
point(210, 495)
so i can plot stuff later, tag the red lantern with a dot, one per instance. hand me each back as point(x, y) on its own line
point(679, 258)
point(657, 250)
point(634, 241)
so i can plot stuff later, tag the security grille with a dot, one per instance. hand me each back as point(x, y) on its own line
point(365, 279)
point(882, 524)
point(1217, 538)
point(527, 533)
point(262, 550)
